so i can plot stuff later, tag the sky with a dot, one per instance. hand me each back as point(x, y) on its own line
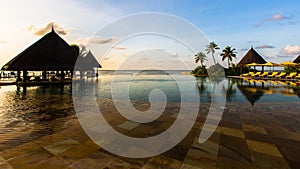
point(271, 27)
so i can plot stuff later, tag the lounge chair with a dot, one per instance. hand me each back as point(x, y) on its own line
point(282, 74)
point(247, 74)
point(298, 76)
point(264, 74)
point(256, 74)
point(273, 74)
point(291, 75)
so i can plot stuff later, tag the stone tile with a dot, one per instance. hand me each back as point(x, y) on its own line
point(53, 163)
point(232, 132)
point(162, 162)
point(263, 147)
point(76, 153)
point(290, 152)
point(30, 160)
point(128, 125)
point(208, 146)
point(225, 163)
point(4, 164)
point(61, 146)
point(92, 144)
point(293, 164)
point(234, 148)
point(188, 166)
point(252, 128)
point(95, 160)
point(201, 159)
point(261, 160)
point(19, 150)
point(119, 164)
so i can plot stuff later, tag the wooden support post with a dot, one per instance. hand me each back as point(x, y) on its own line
point(24, 76)
point(62, 75)
point(18, 75)
point(44, 75)
point(81, 75)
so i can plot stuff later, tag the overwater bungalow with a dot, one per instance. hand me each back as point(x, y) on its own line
point(50, 55)
point(251, 57)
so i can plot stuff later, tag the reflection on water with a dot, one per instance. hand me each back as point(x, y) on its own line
point(36, 111)
point(32, 112)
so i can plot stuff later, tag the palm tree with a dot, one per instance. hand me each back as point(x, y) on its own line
point(200, 57)
point(210, 48)
point(228, 53)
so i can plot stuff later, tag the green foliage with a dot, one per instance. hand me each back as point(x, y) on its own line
point(199, 71)
point(290, 69)
point(200, 57)
point(228, 53)
point(211, 48)
point(75, 48)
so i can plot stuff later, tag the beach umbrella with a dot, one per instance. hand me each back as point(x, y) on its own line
point(288, 64)
point(270, 64)
point(253, 64)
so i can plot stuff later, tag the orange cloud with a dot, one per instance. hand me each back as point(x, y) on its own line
point(45, 29)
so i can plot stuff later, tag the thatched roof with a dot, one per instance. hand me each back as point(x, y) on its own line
point(297, 60)
point(50, 52)
point(92, 60)
point(87, 62)
point(251, 57)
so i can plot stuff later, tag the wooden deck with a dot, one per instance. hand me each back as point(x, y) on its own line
point(265, 78)
point(43, 83)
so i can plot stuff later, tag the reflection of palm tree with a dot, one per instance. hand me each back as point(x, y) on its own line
point(201, 86)
point(200, 57)
point(210, 48)
point(230, 91)
point(229, 54)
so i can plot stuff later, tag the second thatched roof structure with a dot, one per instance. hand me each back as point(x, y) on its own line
point(297, 60)
point(251, 57)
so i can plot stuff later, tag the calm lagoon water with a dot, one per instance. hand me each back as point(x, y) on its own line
point(21, 107)
point(29, 114)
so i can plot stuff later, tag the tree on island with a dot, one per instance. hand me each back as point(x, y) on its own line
point(228, 53)
point(211, 48)
point(200, 57)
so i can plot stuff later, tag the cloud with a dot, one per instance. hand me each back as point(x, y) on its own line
point(119, 48)
point(264, 47)
point(2, 41)
point(284, 56)
point(45, 29)
point(95, 40)
point(243, 49)
point(252, 41)
point(275, 17)
point(289, 50)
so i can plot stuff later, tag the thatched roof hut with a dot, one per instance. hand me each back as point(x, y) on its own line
point(87, 62)
point(92, 60)
point(50, 52)
point(251, 57)
point(297, 60)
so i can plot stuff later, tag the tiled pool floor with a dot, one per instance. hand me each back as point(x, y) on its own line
point(266, 135)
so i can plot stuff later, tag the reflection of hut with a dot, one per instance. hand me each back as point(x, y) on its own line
point(297, 60)
point(87, 63)
point(252, 93)
point(50, 53)
point(251, 57)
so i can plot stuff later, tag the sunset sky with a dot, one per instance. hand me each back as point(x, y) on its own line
point(271, 27)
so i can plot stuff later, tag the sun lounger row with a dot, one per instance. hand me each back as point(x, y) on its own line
point(273, 75)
